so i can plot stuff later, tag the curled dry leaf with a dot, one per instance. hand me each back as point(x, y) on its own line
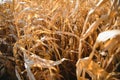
point(85, 65)
point(108, 35)
point(107, 41)
point(34, 60)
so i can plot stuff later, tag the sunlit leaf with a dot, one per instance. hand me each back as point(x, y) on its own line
point(107, 35)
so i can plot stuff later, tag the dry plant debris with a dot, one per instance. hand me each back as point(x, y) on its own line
point(59, 39)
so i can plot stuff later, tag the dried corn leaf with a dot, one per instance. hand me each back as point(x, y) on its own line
point(90, 67)
point(107, 40)
point(95, 25)
point(34, 60)
point(101, 2)
point(108, 35)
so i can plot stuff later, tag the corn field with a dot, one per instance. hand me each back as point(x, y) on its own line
point(59, 39)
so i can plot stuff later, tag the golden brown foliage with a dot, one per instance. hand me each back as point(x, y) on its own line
point(60, 39)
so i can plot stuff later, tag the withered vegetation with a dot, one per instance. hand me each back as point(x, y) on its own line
point(59, 39)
